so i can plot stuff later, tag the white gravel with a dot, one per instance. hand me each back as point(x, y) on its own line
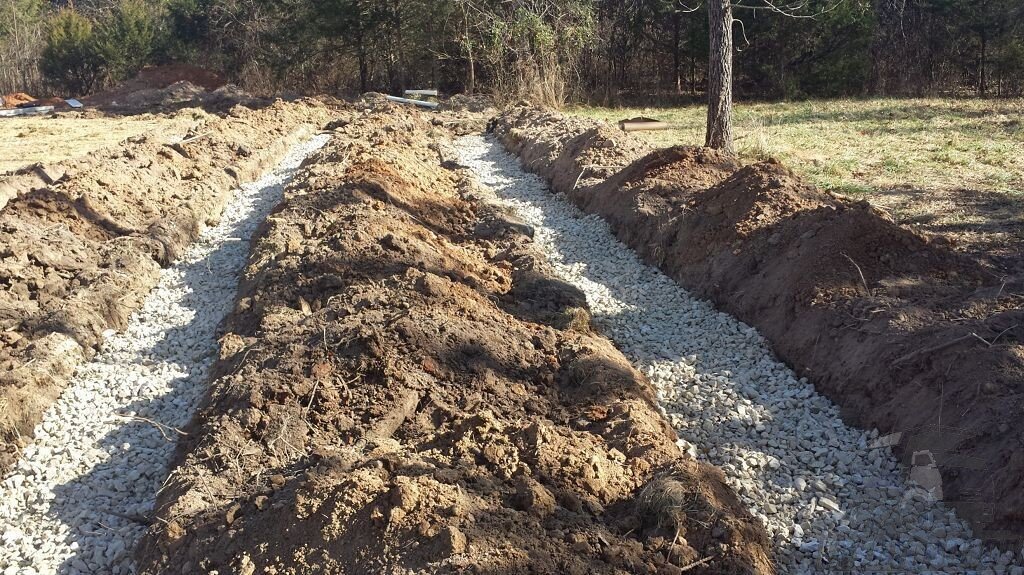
point(72, 503)
point(830, 501)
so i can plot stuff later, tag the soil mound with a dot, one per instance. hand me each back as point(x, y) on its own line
point(172, 87)
point(467, 103)
point(175, 96)
point(81, 241)
point(159, 77)
point(374, 101)
point(906, 335)
point(14, 100)
point(571, 152)
point(405, 388)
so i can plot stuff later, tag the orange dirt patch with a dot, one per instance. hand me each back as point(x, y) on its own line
point(14, 100)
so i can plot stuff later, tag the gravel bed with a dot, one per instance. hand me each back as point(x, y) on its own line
point(77, 500)
point(833, 498)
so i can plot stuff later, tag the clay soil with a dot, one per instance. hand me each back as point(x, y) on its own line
point(82, 240)
point(404, 388)
point(899, 329)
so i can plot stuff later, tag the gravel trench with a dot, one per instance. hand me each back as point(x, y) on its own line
point(833, 498)
point(78, 499)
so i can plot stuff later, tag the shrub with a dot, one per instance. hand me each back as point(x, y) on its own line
point(70, 59)
point(81, 57)
point(188, 23)
point(126, 40)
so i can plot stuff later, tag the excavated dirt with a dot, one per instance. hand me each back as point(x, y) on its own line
point(404, 388)
point(902, 332)
point(169, 86)
point(14, 100)
point(81, 241)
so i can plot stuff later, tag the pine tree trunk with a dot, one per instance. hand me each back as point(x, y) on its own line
point(982, 87)
point(719, 133)
point(361, 55)
point(675, 53)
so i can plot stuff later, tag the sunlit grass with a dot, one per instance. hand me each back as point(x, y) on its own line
point(857, 146)
point(48, 139)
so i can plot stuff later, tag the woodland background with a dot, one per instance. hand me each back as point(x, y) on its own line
point(595, 51)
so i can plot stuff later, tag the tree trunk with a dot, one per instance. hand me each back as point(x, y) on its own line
point(364, 70)
point(471, 79)
point(982, 88)
point(719, 129)
point(693, 74)
point(361, 55)
point(676, 57)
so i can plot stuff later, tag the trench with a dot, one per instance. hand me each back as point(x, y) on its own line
point(81, 495)
point(833, 498)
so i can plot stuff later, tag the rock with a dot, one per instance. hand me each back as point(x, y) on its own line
point(450, 541)
point(405, 495)
point(809, 547)
point(534, 497)
point(828, 504)
point(51, 174)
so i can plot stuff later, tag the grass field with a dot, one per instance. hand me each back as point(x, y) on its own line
point(852, 146)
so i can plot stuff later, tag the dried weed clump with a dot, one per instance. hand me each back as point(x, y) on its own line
point(667, 502)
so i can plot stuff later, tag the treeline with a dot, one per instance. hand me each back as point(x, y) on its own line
point(605, 51)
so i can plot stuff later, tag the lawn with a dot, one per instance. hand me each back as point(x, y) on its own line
point(856, 146)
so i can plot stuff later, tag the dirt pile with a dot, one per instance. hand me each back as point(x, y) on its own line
point(14, 100)
point(571, 152)
point(467, 103)
point(900, 331)
point(79, 252)
point(459, 115)
point(172, 87)
point(163, 76)
point(404, 388)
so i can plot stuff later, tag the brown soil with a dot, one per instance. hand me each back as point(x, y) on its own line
point(159, 77)
point(81, 241)
point(171, 87)
point(902, 332)
point(404, 388)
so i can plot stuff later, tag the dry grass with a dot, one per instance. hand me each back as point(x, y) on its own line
point(858, 146)
point(667, 502)
point(51, 139)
